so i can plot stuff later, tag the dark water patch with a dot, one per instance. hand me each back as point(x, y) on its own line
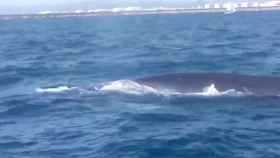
point(151, 147)
point(20, 106)
point(13, 145)
point(275, 44)
point(61, 137)
point(262, 117)
point(9, 80)
point(6, 123)
point(164, 118)
point(24, 110)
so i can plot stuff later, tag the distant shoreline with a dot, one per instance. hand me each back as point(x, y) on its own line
point(108, 13)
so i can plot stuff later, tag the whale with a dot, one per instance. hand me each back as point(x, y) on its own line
point(257, 85)
point(190, 84)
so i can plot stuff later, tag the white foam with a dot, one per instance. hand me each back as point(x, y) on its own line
point(213, 91)
point(55, 89)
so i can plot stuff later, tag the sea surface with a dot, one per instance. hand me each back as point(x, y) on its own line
point(67, 90)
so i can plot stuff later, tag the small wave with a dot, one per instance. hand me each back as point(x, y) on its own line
point(55, 89)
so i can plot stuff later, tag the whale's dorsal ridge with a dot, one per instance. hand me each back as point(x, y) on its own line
point(196, 82)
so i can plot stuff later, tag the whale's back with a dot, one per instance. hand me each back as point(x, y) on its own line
point(196, 82)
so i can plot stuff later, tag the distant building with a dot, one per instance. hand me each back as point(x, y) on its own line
point(217, 6)
point(226, 5)
point(206, 6)
point(244, 5)
point(235, 5)
point(91, 11)
point(79, 11)
point(270, 4)
point(46, 12)
point(230, 5)
point(255, 4)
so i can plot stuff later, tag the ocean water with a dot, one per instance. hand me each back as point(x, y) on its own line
point(67, 90)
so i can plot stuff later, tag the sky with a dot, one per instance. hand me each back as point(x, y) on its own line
point(31, 6)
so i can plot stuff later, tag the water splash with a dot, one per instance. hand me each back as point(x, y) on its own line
point(213, 91)
point(58, 89)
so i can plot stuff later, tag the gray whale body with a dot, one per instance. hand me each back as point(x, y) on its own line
point(196, 82)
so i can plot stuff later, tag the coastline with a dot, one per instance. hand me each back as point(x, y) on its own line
point(131, 13)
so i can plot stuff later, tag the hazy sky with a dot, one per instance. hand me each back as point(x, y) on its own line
point(27, 6)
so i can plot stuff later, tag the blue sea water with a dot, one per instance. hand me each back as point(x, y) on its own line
point(50, 68)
